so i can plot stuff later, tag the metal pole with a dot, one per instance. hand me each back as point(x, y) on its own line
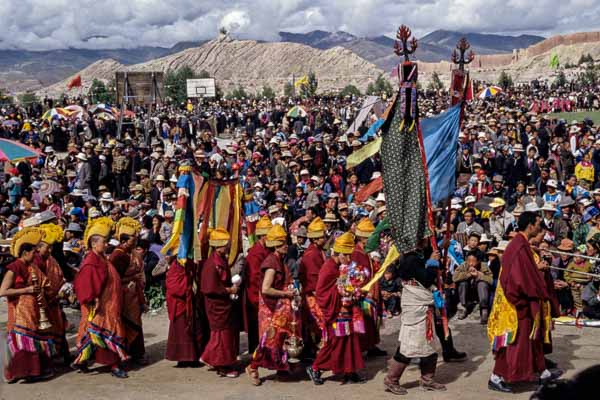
point(575, 272)
point(564, 253)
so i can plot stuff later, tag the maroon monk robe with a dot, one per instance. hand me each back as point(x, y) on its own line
point(370, 339)
point(184, 342)
point(340, 354)
point(253, 284)
point(308, 274)
point(223, 345)
point(524, 287)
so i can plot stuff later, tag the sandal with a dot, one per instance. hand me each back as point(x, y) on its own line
point(253, 375)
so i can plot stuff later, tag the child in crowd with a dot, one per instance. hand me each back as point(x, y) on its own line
point(578, 281)
point(390, 291)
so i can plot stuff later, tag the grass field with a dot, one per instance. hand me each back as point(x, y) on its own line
point(578, 116)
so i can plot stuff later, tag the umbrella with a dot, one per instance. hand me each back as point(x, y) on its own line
point(10, 122)
point(75, 111)
point(128, 114)
point(105, 116)
point(297, 112)
point(490, 91)
point(56, 113)
point(49, 187)
point(11, 151)
point(101, 107)
point(484, 204)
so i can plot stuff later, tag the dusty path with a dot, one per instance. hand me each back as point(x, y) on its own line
point(574, 349)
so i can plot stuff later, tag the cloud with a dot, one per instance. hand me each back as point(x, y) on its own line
point(53, 24)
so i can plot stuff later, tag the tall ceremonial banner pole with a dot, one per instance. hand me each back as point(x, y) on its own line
point(408, 75)
point(458, 92)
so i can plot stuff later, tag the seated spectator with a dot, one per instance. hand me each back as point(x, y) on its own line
point(469, 225)
point(390, 291)
point(473, 280)
point(590, 297)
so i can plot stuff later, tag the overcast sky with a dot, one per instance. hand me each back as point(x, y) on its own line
point(55, 24)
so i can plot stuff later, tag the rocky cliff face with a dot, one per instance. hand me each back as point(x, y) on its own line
point(251, 64)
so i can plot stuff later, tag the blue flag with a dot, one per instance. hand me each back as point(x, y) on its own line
point(440, 138)
point(372, 130)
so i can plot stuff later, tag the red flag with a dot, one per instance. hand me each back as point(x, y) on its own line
point(374, 186)
point(75, 82)
point(469, 91)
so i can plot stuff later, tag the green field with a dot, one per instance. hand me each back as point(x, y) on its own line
point(578, 116)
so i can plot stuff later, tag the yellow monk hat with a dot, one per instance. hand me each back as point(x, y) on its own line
point(98, 227)
point(344, 244)
point(365, 228)
point(263, 225)
point(276, 236)
point(127, 226)
point(31, 235)
point(52, 233)
point(219, 237)
point(316, 229)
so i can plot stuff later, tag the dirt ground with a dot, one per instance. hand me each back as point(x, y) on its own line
point(574, 349)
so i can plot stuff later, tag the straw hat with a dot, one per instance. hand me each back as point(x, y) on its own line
point(365, 228)
point(263, 225)
point(566, 245)
point(549, 206)
point(344, 244)
point(276, 236)
point(330, 217)
point(497, 202)
point(316, 229)
point(27, 235)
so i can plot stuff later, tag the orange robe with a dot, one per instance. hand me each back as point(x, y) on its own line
point(101, 334)
point(56, 316)
point(29, 351)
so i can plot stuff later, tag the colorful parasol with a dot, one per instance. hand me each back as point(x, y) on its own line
point(128, 114)
point(102, 108)
point(297, 112)
point(12, 151)
point(105, 116)
point(10, 122)
point(75, 111)
point(488, 92)
point(49, 187)
point(56, 113)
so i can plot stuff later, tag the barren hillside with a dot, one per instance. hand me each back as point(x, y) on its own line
point(251, 64)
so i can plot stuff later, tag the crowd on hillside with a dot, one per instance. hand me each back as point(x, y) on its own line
point(512, 157)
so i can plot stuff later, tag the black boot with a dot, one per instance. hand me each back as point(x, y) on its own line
point(449, 353)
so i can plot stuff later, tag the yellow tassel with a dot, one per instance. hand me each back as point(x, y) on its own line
point(91, 313)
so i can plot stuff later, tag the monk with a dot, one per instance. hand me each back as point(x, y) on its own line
point(222, 349)
point(341, 352)
point(185, 342)
point(98, 289)
point(49, 266)
point(29, 349)
point(371, 306)
point(133, 280)
point(256, 255)
point(279, 319)
point(308, 274)
point(521, 296)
